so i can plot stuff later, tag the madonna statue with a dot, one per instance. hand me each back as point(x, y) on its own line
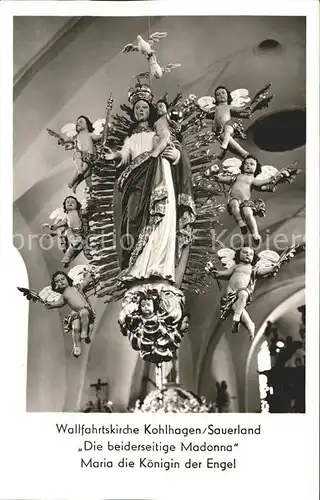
point(153, 216)
point(153, 202)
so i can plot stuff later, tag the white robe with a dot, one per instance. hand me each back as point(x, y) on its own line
point(158, 256)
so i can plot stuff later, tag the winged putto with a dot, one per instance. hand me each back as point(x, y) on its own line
point(81, 137)
point(243, 268)
point(70, 289)
point(71, 225)
point(244, 176)
point(226, 110)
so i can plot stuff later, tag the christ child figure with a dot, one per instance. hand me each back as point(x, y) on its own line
point(226, 123)
point(166, 126)
point(81, 319)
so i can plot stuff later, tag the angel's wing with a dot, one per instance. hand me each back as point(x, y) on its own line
point(268, 259)
point(48, 295)
point(240, 98)
point(29, 294)
point(156, 37)
point(169, 67)
point(207, 104)
point(267, 171)
point(231, 166)
point(78, 273)
point(98, 126)
point(58, 215)
point(69, 130)
point(227, 255)
point(285, 174)
point(130, 48)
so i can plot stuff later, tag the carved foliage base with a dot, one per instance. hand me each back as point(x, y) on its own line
point(153, 319)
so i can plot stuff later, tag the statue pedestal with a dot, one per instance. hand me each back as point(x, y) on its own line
point(154, 320)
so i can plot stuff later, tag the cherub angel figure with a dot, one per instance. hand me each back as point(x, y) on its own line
point(244, 176)
point(71, 220)
point(70, 289)
point(81, 137)
point(226, 109)
point(243, 268)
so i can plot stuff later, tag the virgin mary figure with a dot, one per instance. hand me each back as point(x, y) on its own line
point(153, 204)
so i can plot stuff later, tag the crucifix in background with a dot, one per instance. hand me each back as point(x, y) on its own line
point(102, 405)
point(98, 387)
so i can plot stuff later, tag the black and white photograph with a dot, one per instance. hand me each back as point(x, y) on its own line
point(159, 235)
point(159, 179)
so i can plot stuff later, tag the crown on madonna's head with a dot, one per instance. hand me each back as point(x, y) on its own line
point(140, 91)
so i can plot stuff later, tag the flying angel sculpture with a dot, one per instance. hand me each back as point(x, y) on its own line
point(71, 225)
point(226, 110)
point(70, 289)
point(81, 137)
point(244, 176)
point(243, 268)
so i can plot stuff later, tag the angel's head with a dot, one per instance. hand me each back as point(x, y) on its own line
point(149, 304)
point(222, 95)
point(246, 255)
point(60, 281)
point(83, 123)
point(250, 165)
point(71, 203)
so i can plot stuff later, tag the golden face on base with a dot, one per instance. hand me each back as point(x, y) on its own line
point(147, 307)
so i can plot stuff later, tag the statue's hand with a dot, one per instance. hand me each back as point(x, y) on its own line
point(247, 113)
point(209, 268)
point(171, 154)
point(109, 156)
